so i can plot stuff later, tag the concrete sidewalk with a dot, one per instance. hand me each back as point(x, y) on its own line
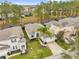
point(14, 55)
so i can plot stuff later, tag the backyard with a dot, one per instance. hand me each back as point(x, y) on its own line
point(35, 51)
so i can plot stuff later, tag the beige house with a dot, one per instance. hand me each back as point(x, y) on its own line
point(69, 32)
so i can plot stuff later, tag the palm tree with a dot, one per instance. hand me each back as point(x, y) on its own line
point(44, 30)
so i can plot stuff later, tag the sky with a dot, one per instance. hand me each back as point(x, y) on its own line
point(29, 2)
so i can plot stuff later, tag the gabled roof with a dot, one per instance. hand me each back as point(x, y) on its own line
point(65, 22)
point(32, 27)
point(8, 32)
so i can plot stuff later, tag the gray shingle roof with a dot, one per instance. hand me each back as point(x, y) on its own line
point(65, 22)
point(6, 33)
point(32, 27)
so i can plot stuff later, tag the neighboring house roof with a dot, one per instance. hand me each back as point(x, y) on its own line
point(8, 32)
point(65, 22)
point(54, 29)
point(52, 22)
point(2, 46)
point(69, 29)
point(32, 27)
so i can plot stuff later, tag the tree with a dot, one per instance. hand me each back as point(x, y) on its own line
point(60, 35)
point(17, 12)
point(44, 30)
point(56, 10)
point(5, 9)
point(10, 12)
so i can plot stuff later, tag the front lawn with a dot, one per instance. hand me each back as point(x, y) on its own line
point(62, 44)
point(35, 51)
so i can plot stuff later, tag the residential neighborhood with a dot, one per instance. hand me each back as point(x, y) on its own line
point(12, 40)
point(39, 29)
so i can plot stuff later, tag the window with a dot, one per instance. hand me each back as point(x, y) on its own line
point(37, 34)
point(13, 40)
point(23, 46)
point(16, 47)
point(32, 36)
point(13, 47)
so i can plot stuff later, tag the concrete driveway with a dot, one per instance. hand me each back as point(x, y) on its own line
point(54, 57)
point(55, 48)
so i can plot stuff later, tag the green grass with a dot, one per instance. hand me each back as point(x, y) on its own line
point(35, 51)
point(63, 44)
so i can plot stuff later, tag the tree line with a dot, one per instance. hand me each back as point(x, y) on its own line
point(9, 11)
point(57, 10)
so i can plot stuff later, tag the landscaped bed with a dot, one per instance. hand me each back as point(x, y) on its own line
point(63, 44)
point(36, 51)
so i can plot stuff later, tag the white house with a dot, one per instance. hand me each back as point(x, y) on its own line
point(14, 38)
point(46, 39)
point(3, 51)
point(32, 30)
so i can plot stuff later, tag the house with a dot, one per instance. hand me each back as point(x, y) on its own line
point(32, 30)
point(28, 9)
point(68, 25)
point(3, 51)
point(65, 22)
point(69, 32)
point(46, 38)
point(14, 38)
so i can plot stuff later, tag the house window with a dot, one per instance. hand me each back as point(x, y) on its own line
point(13, 40)
point(32, 35)
point(16, 47)
point(37, 34)
point(3, 57)
point(23, 46)
point(13, 47)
